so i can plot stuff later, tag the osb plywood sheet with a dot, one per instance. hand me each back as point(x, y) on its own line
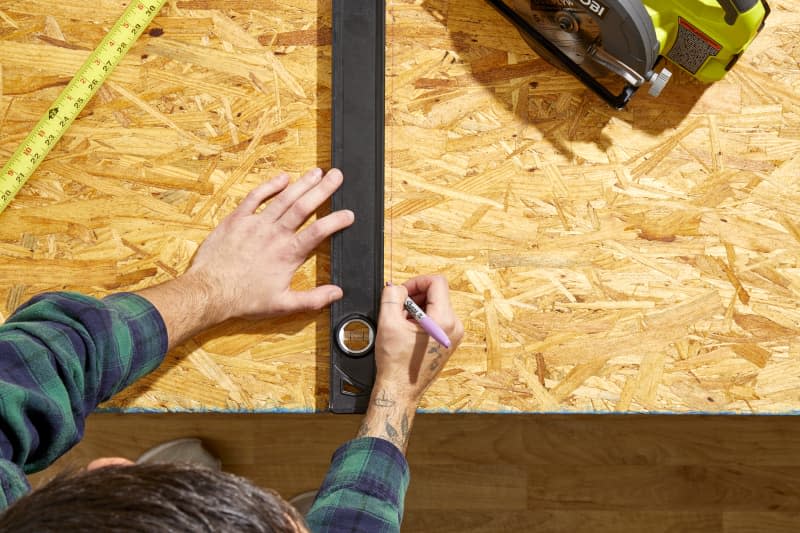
point(215, 98)
point(642, 260)
point(601, 260)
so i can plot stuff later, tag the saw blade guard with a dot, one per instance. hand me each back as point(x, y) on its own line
point(594, 33)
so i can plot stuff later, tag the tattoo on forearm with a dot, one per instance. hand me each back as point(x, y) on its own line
point(388, 419)
point(436, 360)
point(383, 400)
point(398, 438)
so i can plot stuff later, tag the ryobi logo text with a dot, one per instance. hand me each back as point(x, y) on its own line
point(595, 7)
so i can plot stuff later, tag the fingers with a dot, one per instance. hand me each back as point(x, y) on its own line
point(392, 310)
point(315, 299)
point(434, 292)
point(295, 204)
point(310, 201)
point(419, 285)
point(261, 194)
point(312, 236)
point(278, 206)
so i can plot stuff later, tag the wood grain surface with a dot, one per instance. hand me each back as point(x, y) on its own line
point(491, 473)
point(601, 260)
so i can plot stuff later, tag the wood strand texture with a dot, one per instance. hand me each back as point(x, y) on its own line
point(602, 261)
point(215, 98)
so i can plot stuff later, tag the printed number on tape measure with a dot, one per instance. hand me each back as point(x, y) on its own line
point(69, 104)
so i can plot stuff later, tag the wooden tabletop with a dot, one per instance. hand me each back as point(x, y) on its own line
point(601, 260)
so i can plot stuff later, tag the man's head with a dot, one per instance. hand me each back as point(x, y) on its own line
point(157, 497)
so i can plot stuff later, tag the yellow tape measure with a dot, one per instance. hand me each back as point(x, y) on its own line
point(69, 104)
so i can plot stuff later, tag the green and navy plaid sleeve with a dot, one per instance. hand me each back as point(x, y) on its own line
point(61, 354)
point(363, 491)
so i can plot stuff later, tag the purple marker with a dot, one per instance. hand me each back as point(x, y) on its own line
point(427, 323)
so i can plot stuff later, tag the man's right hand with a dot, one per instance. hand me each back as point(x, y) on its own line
point(407, 359)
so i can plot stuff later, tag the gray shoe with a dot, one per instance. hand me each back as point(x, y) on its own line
point(189, 450)
point(303, 501)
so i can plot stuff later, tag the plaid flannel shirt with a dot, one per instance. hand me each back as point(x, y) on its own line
point(61, 354)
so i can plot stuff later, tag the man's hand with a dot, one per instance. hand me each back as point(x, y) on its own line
point(407, 359)
point(245, 266)
point(248, 261)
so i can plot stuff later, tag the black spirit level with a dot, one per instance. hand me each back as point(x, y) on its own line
point(358, 151)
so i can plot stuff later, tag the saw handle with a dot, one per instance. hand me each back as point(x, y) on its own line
point(733, 8)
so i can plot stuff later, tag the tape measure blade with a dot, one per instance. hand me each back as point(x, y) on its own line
point(76, 95)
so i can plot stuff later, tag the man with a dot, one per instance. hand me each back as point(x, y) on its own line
point(63, 353)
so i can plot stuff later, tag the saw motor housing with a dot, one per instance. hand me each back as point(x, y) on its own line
point(598, 40)
point(704, 37)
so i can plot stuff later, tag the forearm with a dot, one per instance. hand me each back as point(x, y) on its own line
point(389, 416)
point(63, 353)
point(187, 305)
point(366, 485)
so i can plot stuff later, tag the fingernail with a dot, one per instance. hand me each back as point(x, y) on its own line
point(335, 176)
point(388, 283)
point(317, 173)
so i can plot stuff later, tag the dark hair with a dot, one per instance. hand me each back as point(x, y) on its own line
point(150, 498)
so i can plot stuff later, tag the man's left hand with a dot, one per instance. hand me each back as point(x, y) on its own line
point(246, 264)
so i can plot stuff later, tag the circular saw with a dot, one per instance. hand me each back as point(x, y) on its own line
point(614, 46)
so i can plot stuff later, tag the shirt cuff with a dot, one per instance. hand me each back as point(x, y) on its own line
point(364, 490)
point(376, 464)
point(147, 332)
